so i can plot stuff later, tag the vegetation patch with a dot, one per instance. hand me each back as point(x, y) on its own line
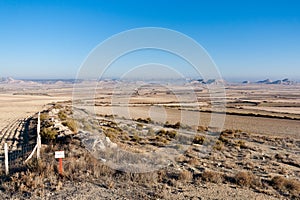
point(71, 124)
point(199, 139)
point(247, 179)
point(286, 185)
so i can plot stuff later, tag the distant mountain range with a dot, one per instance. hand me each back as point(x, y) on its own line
point(10, 80)
point(285, 81)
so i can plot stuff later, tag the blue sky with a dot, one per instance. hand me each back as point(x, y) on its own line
point(246, 39)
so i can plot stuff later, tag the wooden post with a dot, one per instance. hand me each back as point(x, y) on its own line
point(6, 159)
point(38, 142)
point(39, 124)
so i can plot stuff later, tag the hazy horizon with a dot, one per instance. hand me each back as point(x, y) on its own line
point(233, 80)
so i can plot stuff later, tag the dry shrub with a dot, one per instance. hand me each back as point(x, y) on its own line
point(147, 179)
point(85, 166)
point(185, 176)
point(146, 121)
point(161, 175)
point(227, 132)
point(136, 137)
point(160, 141)
point(175, 126)
point(71, 124)
point(48, 133)
point(62, 115)
point(202, 129)
point(168, 134)
point(199, 139)
point(211, 176)
point(110, 183)
point(44, 117)
point(219, 145)
point(223, 139)
point(193, 161)
point(111, 133)
point(177, 177)
point(171, 134)
point(57, 106)
point(283, 184)
point(247, 179)
point(27, 182)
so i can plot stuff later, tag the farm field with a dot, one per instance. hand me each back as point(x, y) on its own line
point(16, 109)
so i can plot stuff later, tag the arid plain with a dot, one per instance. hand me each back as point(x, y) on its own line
point(255, 155)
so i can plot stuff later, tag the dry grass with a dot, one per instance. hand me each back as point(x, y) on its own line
point(286, 185)
point(218, 145)
point(247, 179)
point(193, 162)
point(211, 176)
point(185, 176)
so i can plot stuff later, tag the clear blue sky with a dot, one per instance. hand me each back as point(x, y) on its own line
point(246, 39)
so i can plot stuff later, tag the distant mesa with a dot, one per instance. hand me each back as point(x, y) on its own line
point(267, 81)
point(285, 81)
point(208, 82)
point(277, 82)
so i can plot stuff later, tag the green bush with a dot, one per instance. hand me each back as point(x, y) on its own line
point(44, 116)
point(57, 106)
point(48, 133)
point(71, 124)
point(62, 115)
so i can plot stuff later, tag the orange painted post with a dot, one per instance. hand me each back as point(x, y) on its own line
point(60, 155)
point(60, 166)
